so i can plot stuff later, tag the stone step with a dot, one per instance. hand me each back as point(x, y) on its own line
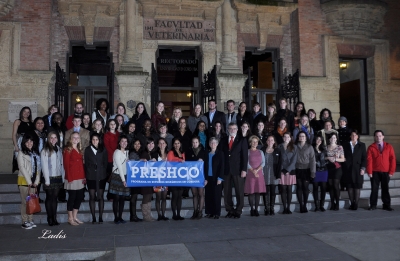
point(108, 216)
point(396, 175)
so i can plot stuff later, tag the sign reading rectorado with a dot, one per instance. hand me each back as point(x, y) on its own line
point(203, 31)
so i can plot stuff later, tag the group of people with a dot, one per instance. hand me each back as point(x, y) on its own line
point(245, 151)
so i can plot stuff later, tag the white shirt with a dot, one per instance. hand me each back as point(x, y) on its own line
point(230, 137)
point(352, 147)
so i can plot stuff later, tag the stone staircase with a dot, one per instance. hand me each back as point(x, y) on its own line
point(10, 203)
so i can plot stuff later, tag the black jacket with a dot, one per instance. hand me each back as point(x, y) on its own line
point(320, 160)
point(289, 115)
point(236, 159)
point(354, 163)
point(277, 156)
point(218, 116)
point(218, 165)
point(246, 117)
point(190, 156)
point(95, 165)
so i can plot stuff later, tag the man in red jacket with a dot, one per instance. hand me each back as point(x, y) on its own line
point(78, 111)
point(381, 165)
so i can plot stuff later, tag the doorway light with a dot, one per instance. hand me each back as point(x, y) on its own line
point(78, 98)
point(189, 94)
point(343, 65)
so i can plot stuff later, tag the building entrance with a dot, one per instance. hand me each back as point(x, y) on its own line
point(262, 84)
point(91, 77)
point(179, 77)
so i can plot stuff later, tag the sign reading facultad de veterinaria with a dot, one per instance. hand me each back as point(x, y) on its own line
point(165, 173)
point(161, 29)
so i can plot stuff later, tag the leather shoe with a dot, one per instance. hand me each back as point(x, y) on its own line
point(372, 208)
point(236, 215)
point(388, 208)
point(229, 215)
point(216, 217)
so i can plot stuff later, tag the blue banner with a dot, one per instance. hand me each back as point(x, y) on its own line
point(165, 173)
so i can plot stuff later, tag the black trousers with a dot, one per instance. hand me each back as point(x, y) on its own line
point(75, 198)
point(238, 183)
point(213, 194)
point(382, 178)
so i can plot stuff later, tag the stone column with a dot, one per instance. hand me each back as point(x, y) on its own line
point(228, 56)
point(131, 61)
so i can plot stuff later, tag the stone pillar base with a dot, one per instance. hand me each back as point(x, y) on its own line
point(230, 88)
point(135, 86)
point(130, 67)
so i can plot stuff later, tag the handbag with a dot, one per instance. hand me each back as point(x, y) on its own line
point(32, 203)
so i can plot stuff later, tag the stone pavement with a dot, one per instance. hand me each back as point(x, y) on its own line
point(333, 235)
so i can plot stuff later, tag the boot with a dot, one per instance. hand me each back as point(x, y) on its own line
point(146, 211)
point(132, 211)
point(194, 215)
point(316, 203)
point(199, 214)
point(50, 221)
point(272, 205)
point(267, 204)
point(55, 222)
point(321, 206)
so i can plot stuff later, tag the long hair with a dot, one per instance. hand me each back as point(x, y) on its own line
point(322, 113)
point(308, 123)
point(69, 147)
point(271, 104)
point(108, 124)
point(273, 146)
point(90, 120)
point(122, 136)
point(303, 111)
point(290, 145)
point(194, 112)
point(132, 148)
point(196, 131)
point(248, 133)
point(163, 112)
point(21, 112)
point(136, 115)
point(173, 148)
point(213, 131)
point(100, 146)
point(322, 146)
point(24, 149)
point(158, 148)
point(48, 146)
point(94, 125)
point(120, 104)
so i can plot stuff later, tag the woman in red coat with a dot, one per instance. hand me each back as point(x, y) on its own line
point(110, 143)
point(74, 177)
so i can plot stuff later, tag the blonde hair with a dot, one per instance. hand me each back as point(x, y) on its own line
point(252, 137)
point(69, 147)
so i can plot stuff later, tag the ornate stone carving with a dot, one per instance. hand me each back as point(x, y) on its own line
point(6, 6)
point(89, 14)
point(355, 17)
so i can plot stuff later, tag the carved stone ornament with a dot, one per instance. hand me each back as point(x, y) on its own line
point(355, 17)
point(89, 14)
point(6, 6)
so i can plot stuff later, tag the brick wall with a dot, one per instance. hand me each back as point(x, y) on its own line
point(311, 28)
point(391, 31)
point(35, 19)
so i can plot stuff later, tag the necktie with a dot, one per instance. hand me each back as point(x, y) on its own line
point(230, 118)
point(231, 143)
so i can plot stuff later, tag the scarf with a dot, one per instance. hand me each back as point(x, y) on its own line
point(281, 132)
point(36, 167)
point(196, 150)
point(203, 138)
point(303, 128)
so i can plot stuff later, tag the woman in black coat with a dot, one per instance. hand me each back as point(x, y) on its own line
point(197, 153)
point(96, 176)
point(354, 167)
point(244, 116)
point(214, 172)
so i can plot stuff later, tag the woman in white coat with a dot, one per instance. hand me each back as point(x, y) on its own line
point(53, 173)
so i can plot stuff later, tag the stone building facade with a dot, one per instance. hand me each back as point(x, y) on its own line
point(311, 36)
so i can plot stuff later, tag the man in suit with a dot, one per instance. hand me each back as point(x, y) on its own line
point(78, 111)
point(235, 150)
point(231, 115)
point(213, 115)
point(84, 134)
point(381, 165)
